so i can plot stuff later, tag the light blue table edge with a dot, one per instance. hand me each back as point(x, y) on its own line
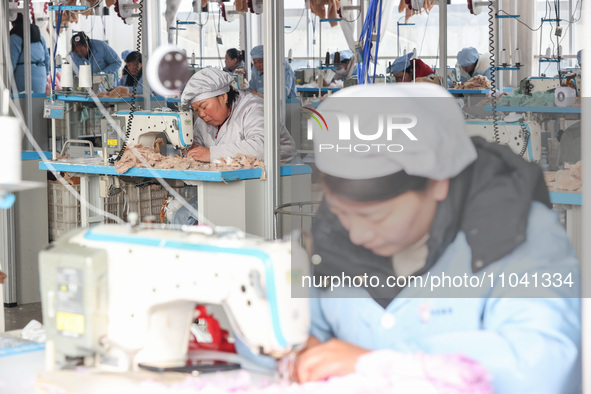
point(77, 98)
point(32, 155)
point(475, 91)
point(22, 95)
point(325, 89)
point(566, 198)
point(20, 349)
point(213, 176)
point(552, 110)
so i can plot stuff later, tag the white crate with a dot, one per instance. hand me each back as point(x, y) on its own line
point(63, 209)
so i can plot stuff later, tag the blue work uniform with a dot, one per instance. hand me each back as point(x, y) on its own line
point(39, 63)
point(483, 67)
point(528, 345)
point(101, 57)
point(495, 225)
point(139, 87)
point(257, 80)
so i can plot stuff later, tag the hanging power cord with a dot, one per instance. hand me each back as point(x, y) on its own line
point(365, 37)
point(57, 28)
point(133, 107)
point(491, 49)
point(375, 64)
point(299, 20)
point(525, 135)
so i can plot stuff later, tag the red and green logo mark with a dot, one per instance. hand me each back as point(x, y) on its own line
point(316, 116)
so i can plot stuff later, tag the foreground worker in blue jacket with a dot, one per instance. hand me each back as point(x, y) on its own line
point(455, 237)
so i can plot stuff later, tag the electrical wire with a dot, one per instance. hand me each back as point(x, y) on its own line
point(366, 38)
point(299, 20)
point(491, 49)
point(424, 35)
point(132, 107)
point(15, 107)
point(353, 20)
point(375, 64)
point(54, 54)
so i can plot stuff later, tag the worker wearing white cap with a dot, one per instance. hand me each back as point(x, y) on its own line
point(230, 122)
point(407, 68)
point(256, 83)
point(418, 201)
point(473, 64)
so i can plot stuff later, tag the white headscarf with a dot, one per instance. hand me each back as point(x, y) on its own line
point(350, 144)
point(207, 83)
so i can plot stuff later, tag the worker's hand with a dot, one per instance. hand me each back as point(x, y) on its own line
point(323, 360)
point(293, 372)
point(199, 153)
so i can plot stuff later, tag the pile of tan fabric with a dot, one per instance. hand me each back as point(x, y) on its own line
point(155, 160)
point(567, 180)
point(118, 92)
point(478, 82)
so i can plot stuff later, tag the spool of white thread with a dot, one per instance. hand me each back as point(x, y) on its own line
point(85, 74)
point(67, 79)
point(10, 151)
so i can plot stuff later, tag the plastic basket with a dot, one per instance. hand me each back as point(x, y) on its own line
point(63, 209)
point(147, 200)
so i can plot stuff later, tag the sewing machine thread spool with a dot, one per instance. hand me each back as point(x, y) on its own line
point(327, 59)
point(517, 57)
point(85, 73)
point(504, 58)
point(10, 151)
point(67, 79)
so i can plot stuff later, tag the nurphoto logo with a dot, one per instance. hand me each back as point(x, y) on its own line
point(351, 130)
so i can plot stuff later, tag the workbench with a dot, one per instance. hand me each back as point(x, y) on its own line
point(23, 364)
point(226, 198)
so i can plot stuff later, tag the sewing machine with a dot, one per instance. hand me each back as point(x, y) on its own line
point(239, 82)
point(452, 73)
point(511, 134)
point(538, 84)
point(116, 296)
point(306, 75)
point(146, 126)
point(106, 80)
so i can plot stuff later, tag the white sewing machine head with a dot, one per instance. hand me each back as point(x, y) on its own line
point(115, 296)
point(146, 126)
point(538, 84)
point(106, 80)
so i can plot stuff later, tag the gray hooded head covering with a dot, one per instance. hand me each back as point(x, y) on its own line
point(207, 83)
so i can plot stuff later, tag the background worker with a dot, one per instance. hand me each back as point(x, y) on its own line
point(234, 61)
point(406, 68)
point(256, 81)
point(132, 74)
point(39, 56)
point(100, 56)
point(473, 64)
point(230, 122)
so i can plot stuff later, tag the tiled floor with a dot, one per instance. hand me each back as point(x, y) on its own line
point(18, 317)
